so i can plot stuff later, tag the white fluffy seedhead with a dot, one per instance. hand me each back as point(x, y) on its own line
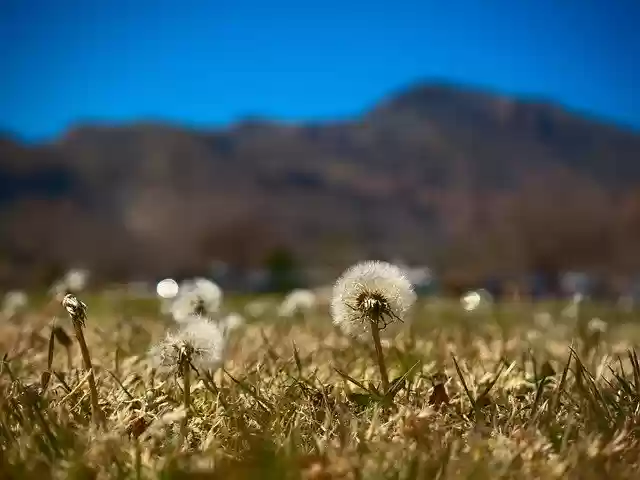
point(13, 303)
point(196, 297)
point(297, 302)
point(258, 307)
point(476, 300)
point(232, 322)
point(76, 279)
point(371, 291)
point(199, 339)
point(596, 325)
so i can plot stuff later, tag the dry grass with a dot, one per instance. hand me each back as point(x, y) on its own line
point(487, 395)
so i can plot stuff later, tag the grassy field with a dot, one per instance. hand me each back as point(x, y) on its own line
point(506, 391)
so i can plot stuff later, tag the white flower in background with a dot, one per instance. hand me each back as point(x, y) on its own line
point(368, 292)
point(597, 325)
point(199, 339)
point(257, 308)
point(470, 301)
point(167, 288)
point(476, 300)
point(13, 303)
point(573, 309)
point(297, 302)
point(323, 295)
point(232, 322)
point(74, 281)
point(198, 296)
point(533, 335)
point(543, 320)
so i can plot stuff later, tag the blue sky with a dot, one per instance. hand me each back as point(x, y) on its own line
point(213, 62)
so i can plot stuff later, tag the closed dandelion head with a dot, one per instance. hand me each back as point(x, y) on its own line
point(371, 291)
point(200, 342)
point(196, 297)
point(77, 310)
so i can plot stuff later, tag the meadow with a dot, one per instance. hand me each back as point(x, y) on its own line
point(510, 390)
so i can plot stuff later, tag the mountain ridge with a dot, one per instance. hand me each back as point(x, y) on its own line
point(412, 177)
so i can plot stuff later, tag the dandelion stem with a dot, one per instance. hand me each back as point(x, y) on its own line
point(96, 413)
point(186, 379)
point(375, 333)
point(116, 360)
point(78, 314)
point(45, 428)
point(138, 459)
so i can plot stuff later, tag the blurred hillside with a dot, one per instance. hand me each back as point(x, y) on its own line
point(470, 181)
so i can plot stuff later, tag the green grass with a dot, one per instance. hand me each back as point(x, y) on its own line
point(482, 395)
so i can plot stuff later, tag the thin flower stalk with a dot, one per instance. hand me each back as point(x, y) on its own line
point(78, 313)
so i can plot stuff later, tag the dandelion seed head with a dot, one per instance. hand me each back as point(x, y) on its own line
point(596, 325)
point(543, 320)
point(470, 301)
point(475, 300)
point(14, 302)
point(257, 308)
point(196, 297)
point(368, 291)
point(199, 339)
point(167, 288)
point(298, 301)
point(76, 279)
point(232, 322)
point(572, 310)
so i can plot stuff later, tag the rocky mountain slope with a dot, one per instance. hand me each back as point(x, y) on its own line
point(434, 173)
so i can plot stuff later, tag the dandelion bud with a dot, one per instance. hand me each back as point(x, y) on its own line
point(77, 310)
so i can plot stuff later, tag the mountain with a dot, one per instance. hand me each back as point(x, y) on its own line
point(468, 179)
